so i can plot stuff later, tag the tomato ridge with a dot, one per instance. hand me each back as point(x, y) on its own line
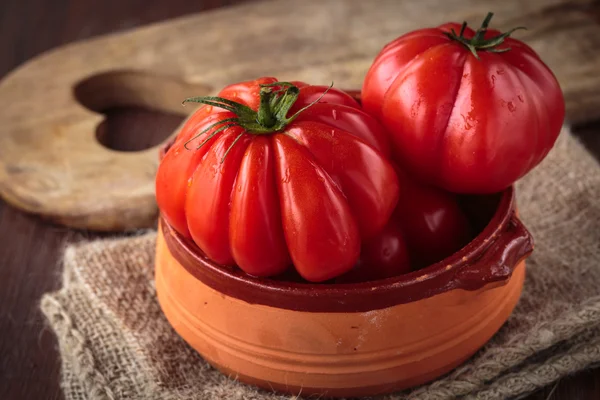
point(444, 136)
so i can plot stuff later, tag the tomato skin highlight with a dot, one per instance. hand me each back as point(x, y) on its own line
point(208, 215)
point(266, 200)
point(310, 93)
point(173, 177)
point(260, 251)
point(464, 124)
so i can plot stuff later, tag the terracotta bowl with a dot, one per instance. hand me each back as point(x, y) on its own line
point(347, 339)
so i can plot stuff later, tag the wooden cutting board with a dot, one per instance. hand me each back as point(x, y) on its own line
point(51, 163)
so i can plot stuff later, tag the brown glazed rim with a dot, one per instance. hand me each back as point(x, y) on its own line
point(490, 257)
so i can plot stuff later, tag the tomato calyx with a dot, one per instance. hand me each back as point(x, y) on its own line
point(276, 100)
point(477, 42)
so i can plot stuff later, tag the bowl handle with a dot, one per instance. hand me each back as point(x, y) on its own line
point(498, 262)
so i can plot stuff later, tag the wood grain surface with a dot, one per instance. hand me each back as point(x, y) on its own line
point(30, 247)
point(52, 164)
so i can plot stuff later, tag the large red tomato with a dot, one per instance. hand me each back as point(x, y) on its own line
point(468, 111)
point(260, 182)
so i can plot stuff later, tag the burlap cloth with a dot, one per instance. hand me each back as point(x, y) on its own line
point(116, 344)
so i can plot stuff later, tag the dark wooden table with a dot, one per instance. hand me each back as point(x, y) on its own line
point(30, 248)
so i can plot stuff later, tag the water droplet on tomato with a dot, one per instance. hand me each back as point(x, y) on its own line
point(500, 71)
point(334, 114)
point(286, 176)
point(332, 132)
point(493, 81)
point(521, 98)
point(511, 107)
point(468, 120)
point(216, 168)
point(346, 241)
point(209, 109)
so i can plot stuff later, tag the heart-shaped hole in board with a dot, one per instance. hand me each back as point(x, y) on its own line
point(142, 109)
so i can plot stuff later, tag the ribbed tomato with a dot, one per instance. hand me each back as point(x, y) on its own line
point(270, 174)
point(467, 111)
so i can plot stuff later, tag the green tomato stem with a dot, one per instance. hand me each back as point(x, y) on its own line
point(276, 101)
point(477, 42)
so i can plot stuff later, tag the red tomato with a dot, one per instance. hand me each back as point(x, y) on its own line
point(383, 256)
point(432, 221)
point(427, 226)
point(468, 111)
point(262, 187)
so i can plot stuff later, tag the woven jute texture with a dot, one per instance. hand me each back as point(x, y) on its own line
point(116, 344)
